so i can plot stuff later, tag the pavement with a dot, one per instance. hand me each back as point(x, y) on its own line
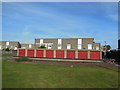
point(71, 60)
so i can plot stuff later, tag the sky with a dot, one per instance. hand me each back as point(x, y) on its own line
point(25, 21)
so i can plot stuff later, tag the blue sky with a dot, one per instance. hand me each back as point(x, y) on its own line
point(26, 21)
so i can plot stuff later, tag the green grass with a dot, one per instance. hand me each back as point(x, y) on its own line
point(8, 54)
point(19, 75)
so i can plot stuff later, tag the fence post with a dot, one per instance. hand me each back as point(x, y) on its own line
point(54, 53)
point(88, 54)
point(26, 52)
point(44, 54)
point(76, 54)
point(18, 52)
point(65, 53)
point(34, 52)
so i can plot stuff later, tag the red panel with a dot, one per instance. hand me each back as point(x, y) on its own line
point(59, 54)
point(30, 53)
point(82, 54)
point(39, 53)
point(94, 54)
point(21, 52)
point(49, 53)
point(70, 54)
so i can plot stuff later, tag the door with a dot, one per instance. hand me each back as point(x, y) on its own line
point(59, 53)
point(71, 54)
point(39, 53)
point(94, 54)
point(21, 52)
point(30, 53)
point(49, 53)
point(83, 54)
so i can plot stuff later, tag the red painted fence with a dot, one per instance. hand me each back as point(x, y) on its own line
point(83, 54)
point(70, 54)
point(39, 53)
point(30, 53)
point(21, 52)
point(94, 55)
point(49, 53)
point(59, 53)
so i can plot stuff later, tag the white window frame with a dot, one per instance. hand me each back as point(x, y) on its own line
point(15, 48)
point(30, 46)
point(89, 46)
point(48, 46)
point(97, 48)
point(59, 43)
point(0, 47)
point(79, 43)
point(7, 43)
point(68, 46)
point(41, 41)
point(59, 46)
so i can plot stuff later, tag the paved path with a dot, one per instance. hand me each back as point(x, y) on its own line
point(53, 59)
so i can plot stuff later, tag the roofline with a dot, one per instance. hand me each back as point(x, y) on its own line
point(9, 41)
point(64, 38)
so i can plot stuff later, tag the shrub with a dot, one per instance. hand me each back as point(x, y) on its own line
point(42, 46)
point(7, 49)
point(22, 59)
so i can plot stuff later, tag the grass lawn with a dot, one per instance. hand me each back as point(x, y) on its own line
point(20, 75)
point(8, 54)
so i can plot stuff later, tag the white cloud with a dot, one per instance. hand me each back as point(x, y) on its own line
point(113, 17)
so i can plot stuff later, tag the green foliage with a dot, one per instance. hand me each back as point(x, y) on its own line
point(42, 46)
point(22, 59)
point(7, 49)
point(108, 47)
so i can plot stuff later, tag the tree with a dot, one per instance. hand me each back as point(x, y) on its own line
point(108, 47)
point(7, 49)
point(42, 46)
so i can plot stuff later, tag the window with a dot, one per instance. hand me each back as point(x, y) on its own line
point(79, 43)
point(68, 46)
point(59, 43)
point(7, 43)
point(97, 48)
point(79, 46)
point(0, 47)
point(59, 46)
point(89, 46)
point(41, 41)
point(30, 46)
point(22, 47)
point(49, 46)
point(15, 48)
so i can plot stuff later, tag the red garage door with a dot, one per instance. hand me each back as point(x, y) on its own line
point(21, 53)
point(94, 54)
point(49, 53)
point(70, 54)
point(59, 54)
point(82, 54)
point(39, 53)
point(30, 53)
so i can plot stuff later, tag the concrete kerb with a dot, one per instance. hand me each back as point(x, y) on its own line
point(64, 60)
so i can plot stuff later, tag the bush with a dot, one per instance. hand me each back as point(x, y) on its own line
point(43, 46)
point(7, 49)
point(22, 59)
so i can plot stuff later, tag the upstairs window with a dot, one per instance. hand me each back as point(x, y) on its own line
point(59, 46)
point(7, 43)
point(68, 46)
